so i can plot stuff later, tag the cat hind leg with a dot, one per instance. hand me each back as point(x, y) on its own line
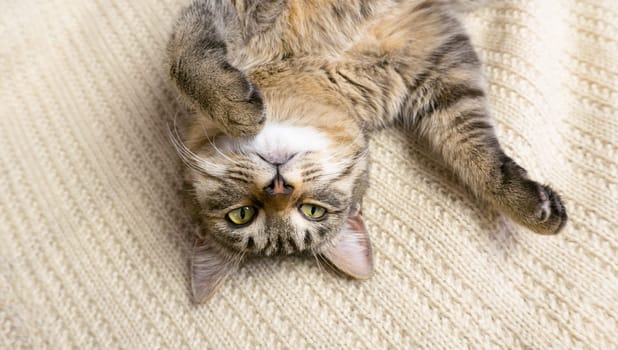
point(447, 106)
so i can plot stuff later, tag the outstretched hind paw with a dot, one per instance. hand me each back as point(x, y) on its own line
point(538, 207)
point(551, 213)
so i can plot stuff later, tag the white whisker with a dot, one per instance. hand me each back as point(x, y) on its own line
point(190, 159)
point(317, 261)
point(211, 141)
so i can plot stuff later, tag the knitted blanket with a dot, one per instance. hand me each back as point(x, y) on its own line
point(95, 238)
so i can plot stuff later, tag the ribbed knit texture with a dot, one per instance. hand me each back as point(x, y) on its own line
point(94, 239)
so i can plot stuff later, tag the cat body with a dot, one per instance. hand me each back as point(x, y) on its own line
point(285, 94)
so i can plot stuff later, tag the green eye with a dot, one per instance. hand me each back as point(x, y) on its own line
point(312, 211)
point(241, 216)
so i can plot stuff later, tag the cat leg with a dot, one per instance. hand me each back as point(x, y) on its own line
point(197, 53)
point(448, 106)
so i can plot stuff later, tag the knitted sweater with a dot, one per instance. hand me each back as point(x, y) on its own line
point(95, 238)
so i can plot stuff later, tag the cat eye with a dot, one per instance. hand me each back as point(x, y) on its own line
point(242, 215)
point(312, 211)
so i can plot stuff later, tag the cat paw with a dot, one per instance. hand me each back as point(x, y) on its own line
point(243, 118)
point(239, 108)
point(541, 209)
point(222, 94)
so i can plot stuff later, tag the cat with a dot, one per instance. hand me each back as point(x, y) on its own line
point(284, 95)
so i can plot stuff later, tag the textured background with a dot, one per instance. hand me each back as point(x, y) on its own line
point(94, 240)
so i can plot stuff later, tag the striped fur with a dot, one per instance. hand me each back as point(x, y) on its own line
point(338, 70)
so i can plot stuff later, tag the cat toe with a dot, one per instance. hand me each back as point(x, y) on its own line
point(535, 206)
point(244, 119)
point(543, 211)
point(550, 212)
point(558, 212)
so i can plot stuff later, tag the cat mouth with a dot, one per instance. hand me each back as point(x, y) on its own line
point(276, 159)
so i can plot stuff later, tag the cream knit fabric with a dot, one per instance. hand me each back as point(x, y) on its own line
point(94, 241)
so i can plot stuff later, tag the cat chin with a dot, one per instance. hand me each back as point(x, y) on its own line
point(277, 142)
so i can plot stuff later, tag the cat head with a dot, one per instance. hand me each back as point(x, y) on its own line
point(295, 187)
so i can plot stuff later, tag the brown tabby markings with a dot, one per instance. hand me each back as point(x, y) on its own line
point(285, 95)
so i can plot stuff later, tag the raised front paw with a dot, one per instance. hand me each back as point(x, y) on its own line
point(538, 207)
point(237, 106)
point(221, 93)
point(240, 108)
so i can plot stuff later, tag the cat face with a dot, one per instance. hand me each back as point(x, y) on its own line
point(282, 192)
point(290, 189)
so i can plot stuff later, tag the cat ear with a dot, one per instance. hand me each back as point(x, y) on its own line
point(351, 251)
point(209, 268)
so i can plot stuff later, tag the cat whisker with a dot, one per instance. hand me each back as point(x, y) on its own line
point(190, 159)
point(212, 143)
point(328, 263)
point(345, 161)
point(317, 261)
point(343, 154)
point(183, 152)
point(240, 255)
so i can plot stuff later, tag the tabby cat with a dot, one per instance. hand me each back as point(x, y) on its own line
point(285, 94)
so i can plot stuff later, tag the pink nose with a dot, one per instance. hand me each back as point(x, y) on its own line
point(278, 186)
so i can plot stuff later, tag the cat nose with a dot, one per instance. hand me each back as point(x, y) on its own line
point(278, 186)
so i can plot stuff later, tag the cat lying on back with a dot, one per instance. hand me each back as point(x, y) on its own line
point(285, 94)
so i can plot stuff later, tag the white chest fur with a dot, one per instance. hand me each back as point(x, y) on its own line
point(277, 142)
